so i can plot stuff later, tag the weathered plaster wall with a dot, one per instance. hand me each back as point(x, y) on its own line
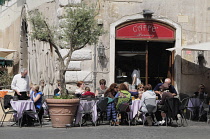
point(192, 16)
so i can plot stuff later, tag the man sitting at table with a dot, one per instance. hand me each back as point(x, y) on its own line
point(201, 93)
point(171, 88)
point(20, 84)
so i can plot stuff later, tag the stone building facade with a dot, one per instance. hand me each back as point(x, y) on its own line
point(187, 21)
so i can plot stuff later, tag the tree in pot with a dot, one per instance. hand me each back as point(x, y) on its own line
point(79, 29)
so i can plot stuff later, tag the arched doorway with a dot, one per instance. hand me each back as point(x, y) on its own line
point(144, 47)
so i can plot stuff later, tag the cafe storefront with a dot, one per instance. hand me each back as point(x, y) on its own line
point(141, 45)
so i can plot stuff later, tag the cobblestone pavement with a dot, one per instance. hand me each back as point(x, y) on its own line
point(195, 130)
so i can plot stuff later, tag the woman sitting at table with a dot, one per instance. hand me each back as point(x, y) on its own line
point(80, 90)
point(124, 96)
point(111, 111)
point(36, 97)
point(140, 90)
point(102, 88)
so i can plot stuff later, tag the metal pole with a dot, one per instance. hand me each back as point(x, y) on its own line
point(94, 69)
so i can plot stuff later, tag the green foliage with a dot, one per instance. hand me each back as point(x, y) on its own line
point(40, 29)
point(80, 27)
point(6, 79)
point(64, 97)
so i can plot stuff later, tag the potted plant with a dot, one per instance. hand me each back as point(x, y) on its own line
point(79, 29)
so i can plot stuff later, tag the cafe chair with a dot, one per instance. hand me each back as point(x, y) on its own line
point(87, 110)
point(102, 109)
point(5, 111)
point(124, 111)
point(174, 111)
point(184, 103)
point(46, 114)
point(150, 107)
point(28, 113)
point(194, 106)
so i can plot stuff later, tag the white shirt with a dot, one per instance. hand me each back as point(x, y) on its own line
point(136, 73)
point(20, 84)
point(79, 91)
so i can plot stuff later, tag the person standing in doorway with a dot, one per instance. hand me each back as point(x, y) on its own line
point(20, 84)
point(135, 78)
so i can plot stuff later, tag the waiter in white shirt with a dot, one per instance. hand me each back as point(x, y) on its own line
point(20, 84)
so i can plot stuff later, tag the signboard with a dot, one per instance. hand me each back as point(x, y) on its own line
point(145, 30)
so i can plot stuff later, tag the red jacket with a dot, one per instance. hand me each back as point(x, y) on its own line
point(88, 93)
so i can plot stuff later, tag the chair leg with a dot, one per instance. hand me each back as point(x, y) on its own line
point(21, 120)
point(2, 119)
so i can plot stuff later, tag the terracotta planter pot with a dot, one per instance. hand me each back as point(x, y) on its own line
point(62, 111)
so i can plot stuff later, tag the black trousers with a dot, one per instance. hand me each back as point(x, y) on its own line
point(23, 96)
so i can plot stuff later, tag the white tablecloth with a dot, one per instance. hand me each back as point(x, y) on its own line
point(22, 105)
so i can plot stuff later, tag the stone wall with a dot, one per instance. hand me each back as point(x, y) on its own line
point(193, 17)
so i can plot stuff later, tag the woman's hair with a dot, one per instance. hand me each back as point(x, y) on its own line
point(36, 87)
point(111, 89)
point(148, 87)
point(102, 81)
point(140, 86)
point(87, 88)
point(123, 87)
point(79, 83)
point(201, 86)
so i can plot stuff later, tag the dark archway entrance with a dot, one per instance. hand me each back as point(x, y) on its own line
point(141, 45)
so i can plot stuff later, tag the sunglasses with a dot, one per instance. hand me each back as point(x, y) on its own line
point(116, 87)
point(102, 84)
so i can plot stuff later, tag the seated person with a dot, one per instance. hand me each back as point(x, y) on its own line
point(102, 88)
point(165, 94)
point(88, 93)
point(201, 92)
point(133, 92)
point(164, 89)
point(140, 89)
point(123, 95)
point(148, 94)
point(57, 91)
point(36, 97)
point(80, 90)
point(171, 88)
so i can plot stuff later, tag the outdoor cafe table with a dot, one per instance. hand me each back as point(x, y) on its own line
point(84, 106)
point(21, 105)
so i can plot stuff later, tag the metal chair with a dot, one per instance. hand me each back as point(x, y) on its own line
point(173, 109)
point(151, 108)
point(45, 108)
point(194, 105)
point(87, 109)
point(28, 113)
point(5, 112)
point(124, 109)
point(102, 109)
